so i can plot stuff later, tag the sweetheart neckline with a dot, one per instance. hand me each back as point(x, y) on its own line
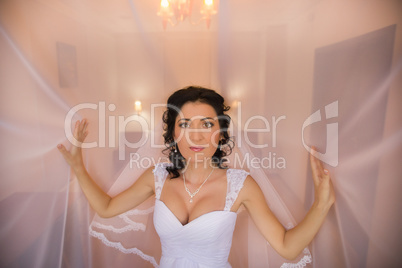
point(201, 216)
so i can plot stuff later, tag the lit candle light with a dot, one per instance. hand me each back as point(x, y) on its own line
point(138, 107)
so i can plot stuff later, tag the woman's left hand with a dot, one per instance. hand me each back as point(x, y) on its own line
point(323, 188)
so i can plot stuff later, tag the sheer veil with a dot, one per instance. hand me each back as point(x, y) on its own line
point(132, 233)
point(279, 58)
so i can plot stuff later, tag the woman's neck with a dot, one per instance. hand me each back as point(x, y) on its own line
point(197, 172)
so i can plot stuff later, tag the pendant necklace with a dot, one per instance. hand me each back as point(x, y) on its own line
point(199, 188)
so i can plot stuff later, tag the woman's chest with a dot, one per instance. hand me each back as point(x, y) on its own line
point(211, 197)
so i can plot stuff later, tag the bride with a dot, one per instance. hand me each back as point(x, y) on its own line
point(196, 194)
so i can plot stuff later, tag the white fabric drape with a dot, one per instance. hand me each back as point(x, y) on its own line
point(297, 74)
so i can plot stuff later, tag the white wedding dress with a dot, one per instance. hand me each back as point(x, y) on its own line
point(204, 241)
point(154, 234)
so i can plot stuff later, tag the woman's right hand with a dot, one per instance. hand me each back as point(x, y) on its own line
point(74, 156)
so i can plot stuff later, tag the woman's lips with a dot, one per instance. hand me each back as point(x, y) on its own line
point(196, 149)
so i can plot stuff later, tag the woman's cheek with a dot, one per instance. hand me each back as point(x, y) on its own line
point(215, 138)
point(178, 135)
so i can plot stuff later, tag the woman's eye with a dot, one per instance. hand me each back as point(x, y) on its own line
point(184, 125)
point(208, 124)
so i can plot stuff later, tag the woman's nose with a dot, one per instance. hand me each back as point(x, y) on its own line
point(197, 135)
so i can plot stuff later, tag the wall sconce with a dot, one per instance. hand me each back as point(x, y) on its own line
point(235, 104)
point(138, 107)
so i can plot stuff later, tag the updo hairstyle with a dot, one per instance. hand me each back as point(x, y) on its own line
point(174, 105)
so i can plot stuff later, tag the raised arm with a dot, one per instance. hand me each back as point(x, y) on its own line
point(102, 203)
point(290, 243)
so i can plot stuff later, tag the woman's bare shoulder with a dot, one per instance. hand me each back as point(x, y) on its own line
point(251, 190)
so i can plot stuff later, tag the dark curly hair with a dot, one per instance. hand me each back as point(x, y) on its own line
point(174, 105)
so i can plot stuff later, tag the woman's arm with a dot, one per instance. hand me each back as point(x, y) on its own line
point(102, 203)
point(289, 244)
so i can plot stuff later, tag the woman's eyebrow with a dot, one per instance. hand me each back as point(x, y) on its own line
point(202, 119)
point(208, 118)
point(184, 119)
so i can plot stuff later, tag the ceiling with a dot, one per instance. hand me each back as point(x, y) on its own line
point(123, 16)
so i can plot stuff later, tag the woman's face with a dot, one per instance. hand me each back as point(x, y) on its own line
point(197, 131)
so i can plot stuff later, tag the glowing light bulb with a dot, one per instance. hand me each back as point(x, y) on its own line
point(165, 3)
point(209, 2)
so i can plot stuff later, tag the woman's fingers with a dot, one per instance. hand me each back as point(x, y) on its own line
point(61, 148)
point(85, 130)
point(76, 129)
point(74, 156)
point(326, 189)
point(83, 126)
point(63, 151)
point(322, 181)
point(80, 130)
point(316, 168)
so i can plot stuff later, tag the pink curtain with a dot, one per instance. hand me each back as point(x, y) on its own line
point(297, 74)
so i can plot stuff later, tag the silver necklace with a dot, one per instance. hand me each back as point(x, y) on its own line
point(199, 188)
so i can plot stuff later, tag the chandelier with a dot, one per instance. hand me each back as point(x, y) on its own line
point(182, 9)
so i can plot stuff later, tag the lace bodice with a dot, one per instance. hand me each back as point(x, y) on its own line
point(206, 240)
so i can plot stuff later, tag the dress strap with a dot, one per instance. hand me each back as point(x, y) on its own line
point(160, 174)
point(235, 180)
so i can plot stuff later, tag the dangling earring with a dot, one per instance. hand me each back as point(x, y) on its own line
point(221, 145)
point(175, 147)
